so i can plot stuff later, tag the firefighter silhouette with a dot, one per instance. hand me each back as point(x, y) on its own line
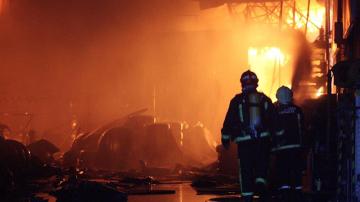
point(248, 123)
point(287, 146)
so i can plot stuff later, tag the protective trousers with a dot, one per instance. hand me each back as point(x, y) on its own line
point(253, 166)
point(289, 165)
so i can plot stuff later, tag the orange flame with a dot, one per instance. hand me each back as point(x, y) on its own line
point(271, 66)
point(315, 21)
point(319, 92)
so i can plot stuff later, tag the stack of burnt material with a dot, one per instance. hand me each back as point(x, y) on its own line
point(122, 144)
point(139, 142)
point(18, 167)
point(27, 171)
point(72, 188)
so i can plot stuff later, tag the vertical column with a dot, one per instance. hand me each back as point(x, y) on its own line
point(340, 168)
point(356, 163)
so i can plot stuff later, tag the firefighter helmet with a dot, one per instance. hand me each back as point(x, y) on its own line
point(249, 78)
point(284, 95)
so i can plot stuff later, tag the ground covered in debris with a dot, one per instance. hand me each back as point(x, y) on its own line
point(88, 185)
point(32, 174)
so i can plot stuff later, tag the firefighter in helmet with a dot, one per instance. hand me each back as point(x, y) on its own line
point(248, 123)
point(287, 146)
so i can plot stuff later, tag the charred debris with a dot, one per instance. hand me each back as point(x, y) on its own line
point(125, 157)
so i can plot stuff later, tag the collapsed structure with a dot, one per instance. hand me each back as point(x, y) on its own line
point(137, 141)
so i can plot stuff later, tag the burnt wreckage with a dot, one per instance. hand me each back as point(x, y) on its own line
point(139, 142)
point(123, 154)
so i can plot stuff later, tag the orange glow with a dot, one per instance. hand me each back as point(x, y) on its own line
point(2, 5)
point(74, 124)
point(319, 92)
point(107, 63)
point(272, 67)
point(316, 18)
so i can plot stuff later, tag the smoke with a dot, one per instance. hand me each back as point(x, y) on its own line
point(95, 61)
point(302, 68)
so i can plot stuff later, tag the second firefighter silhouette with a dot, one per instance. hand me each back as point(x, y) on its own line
point(288, 146)
point(248, 123)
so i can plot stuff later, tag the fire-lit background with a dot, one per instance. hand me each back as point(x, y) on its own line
point(89, 62)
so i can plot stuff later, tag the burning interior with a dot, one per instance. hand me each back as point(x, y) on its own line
point(77, 73)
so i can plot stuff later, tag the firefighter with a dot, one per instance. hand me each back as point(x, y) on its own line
point(248, 123)
point(287, 146)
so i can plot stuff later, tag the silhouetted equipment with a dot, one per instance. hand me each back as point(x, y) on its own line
point(114, 148)
point(43, 149)
point(86, 144)
point(123, 143)
point(15, 163)
point(17, 157)
point(347, 74)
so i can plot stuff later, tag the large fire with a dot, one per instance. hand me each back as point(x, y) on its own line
point(271, 65)
point(273, 42)
point(312, 24)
